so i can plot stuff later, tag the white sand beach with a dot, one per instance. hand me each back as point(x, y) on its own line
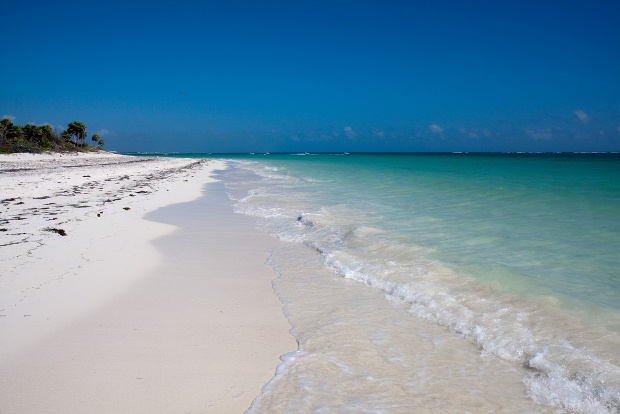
point(128, 285)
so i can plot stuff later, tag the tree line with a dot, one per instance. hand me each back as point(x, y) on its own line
point(33, 138)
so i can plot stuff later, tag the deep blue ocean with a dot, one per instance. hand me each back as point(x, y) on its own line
point(493, 279)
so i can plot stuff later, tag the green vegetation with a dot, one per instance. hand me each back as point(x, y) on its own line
point(36, 139)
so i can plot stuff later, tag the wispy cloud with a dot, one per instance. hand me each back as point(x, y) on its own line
point(435, 129)
point(540, 134)
point(470, 133)
point(103, 132)
point(348, 131)
point(11, 117)
point(583, 117)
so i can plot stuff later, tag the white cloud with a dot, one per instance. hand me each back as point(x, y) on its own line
point(11, 117)
point(471, 133)
point(102, 132)
point(583, 117)
point(436, 129)
point(44, 124)
point(348, 131)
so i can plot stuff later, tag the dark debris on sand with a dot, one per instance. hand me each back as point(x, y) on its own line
point(55, 230)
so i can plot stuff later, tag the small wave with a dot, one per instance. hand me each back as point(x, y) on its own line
point(523, 332)
point(565, 376)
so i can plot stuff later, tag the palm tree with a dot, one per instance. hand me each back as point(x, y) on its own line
point(97, 140)
point(77, 130)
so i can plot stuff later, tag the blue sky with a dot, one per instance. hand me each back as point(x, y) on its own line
point(239, 76)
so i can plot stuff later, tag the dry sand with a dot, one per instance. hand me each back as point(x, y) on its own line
point(139, 307)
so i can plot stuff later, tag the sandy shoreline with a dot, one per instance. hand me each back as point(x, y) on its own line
point(138, 308)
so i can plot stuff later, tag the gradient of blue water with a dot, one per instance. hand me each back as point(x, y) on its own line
point(537, 236)
point(518, 253)
point(550, 221)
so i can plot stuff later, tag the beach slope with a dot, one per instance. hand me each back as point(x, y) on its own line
point(128, 284)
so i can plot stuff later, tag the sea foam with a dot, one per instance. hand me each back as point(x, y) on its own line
point(567, 361)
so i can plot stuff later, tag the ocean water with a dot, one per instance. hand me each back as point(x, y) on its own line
point(441, 282)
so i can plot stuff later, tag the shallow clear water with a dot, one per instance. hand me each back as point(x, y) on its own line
point(450, 282)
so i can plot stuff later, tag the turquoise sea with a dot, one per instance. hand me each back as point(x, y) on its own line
point(441, 282)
